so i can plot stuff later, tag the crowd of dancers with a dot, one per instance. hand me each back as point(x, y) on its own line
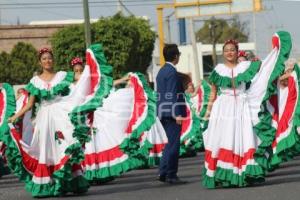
point(66, 131)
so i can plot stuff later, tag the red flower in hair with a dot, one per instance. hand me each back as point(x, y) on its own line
point(76, 61)
point(232, 41)
point(45, 50)
point(242, 54)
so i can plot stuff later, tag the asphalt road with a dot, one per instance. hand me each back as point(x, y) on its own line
point(283, 184)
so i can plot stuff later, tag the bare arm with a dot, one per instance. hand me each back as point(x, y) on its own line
point(284, 76)
point(196, 91)
point(212, 97)
point(121, 80)
point(27, 107)
point(283, 80)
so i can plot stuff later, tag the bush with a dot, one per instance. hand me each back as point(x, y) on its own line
point(18, 66)
point(68, 43)
point(128, 43)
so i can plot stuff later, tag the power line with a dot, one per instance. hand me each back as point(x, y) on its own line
point(56, 13)
point(75, 6)
point(79, 3)
point(122, 4)
point(106, 1)
point(129, 2)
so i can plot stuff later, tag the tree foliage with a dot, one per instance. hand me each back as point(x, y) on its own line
point(5, 65)
point(219, 30)
point(18, 66)
point(128, 43)
point(68, 43)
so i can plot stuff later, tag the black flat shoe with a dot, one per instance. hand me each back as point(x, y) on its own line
point(162, 178)
point(176, 181)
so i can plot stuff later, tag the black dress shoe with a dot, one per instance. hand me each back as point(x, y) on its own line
point(162, 178)
point(175, 181)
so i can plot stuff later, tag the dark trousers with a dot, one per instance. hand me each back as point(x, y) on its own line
point(169, 161)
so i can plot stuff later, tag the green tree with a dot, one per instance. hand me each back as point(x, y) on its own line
point(143, 56)
point(18, 66)
point(68, 43)
point(24, 62)
point(120, 40)
point(5, 66)
point(128, 43)
point(219, 30)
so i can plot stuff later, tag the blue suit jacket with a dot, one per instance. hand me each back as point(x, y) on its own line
point(171, 100)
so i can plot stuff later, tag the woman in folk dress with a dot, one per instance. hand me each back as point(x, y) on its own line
point(240, 127)
point(126, 134)
point(104, 158)
point(50, 164)
point(285, 108)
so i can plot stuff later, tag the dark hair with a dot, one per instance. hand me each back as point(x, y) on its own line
point(170, 52)
point(21, 89)
point(185, 79)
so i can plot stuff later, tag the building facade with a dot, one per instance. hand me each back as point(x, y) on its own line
point(37, 35)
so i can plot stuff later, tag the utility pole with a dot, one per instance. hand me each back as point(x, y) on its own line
point(119, 7)
point(254, 31)
point(197, 69)
point(87, 24)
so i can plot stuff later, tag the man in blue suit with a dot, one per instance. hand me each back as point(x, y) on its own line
point(171, 111)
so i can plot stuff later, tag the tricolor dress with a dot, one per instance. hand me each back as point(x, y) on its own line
point(194, 125)
point(240, 130)
point(6, 110)
point(3, 165)
point(199, 104)
point(22, 124)
point(157, 137)
point(25, 122)
point(190, 136)
point(50, 164)
point(145, 136)
point(285, 109)
point(124, 120)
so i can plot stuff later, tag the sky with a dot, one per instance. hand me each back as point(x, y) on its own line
point(277, 15)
